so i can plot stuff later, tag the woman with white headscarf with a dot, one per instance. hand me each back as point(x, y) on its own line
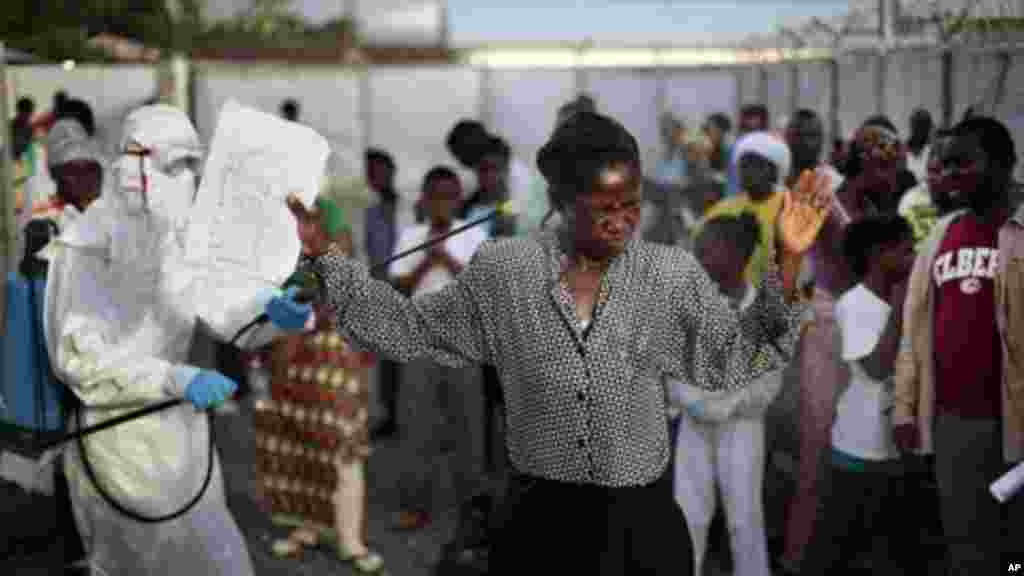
point(762, 160)
point(119, 320)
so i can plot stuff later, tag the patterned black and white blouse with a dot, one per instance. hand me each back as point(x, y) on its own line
point(582, 406)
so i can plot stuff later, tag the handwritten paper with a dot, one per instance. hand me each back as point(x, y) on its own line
point(241, 234)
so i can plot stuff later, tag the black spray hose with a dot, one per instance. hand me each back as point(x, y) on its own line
point(302, 296)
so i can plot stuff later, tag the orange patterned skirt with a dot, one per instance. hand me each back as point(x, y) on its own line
point(317, 415)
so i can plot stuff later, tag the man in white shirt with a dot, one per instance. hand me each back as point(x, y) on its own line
point(919, 143)
point(925, 203)
point(439, 405)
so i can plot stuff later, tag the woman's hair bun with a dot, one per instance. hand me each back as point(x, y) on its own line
point(580, 148)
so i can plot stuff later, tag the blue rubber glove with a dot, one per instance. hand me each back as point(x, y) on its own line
point(209, 388)
point(696, 410)
point(287, 314)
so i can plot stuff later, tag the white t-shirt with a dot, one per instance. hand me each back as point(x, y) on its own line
point(918, 164)
point(862, 428)
point(461, 246)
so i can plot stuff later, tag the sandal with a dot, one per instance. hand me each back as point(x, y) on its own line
point(369, 563)
point(286, 548)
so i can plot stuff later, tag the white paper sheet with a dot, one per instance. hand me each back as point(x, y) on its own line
point(242, 235)
point(1008, 484)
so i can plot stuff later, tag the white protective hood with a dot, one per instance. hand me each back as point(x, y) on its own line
point(68, 142)
point(142, 209)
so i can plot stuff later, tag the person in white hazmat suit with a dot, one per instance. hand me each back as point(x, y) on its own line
point(119, 319)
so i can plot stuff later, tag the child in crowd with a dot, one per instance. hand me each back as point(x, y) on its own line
point(437, 404)
point(721, 437)
point(865, 506)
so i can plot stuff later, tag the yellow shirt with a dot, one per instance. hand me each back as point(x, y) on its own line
point(767, 212)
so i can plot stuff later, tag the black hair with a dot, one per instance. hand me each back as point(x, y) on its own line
point(880, 121)
point(290, 109)
point(435, 174)
point(864, 237)
point(582, 103)
point(578, 150)
point(721, 121)
point(81, 111)
point(805, 115)
point(496, 146)
point(378, 155)
point(993, 137)
point(389, 194)
point(467, 141)
point(756, 109)
point(743, 230)
point(921, 129)
point(26, 106)
point(38, 233)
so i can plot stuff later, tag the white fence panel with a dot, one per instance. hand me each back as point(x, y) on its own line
point(524, 105)
point(857, 96)
point(695, 95)
point(411, 111)
point(631, 97)
point(777, 92)
point(814, 92)
point(913, 80)
point(329, 102)
point(748, 79)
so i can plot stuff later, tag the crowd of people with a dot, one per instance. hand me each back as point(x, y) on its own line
point(868, 477)
point(604, 364)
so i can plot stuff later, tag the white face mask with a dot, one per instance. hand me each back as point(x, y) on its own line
point(171, 197)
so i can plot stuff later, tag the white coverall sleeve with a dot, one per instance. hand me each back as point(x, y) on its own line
point(748, 402)
point(81, 330)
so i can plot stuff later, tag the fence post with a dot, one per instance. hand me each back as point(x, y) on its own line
point(762, 75)
point(365, 106)
point(881, 63)
point(834, 96)
point(794, 86)
point(486, 107)
point(946, 78)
